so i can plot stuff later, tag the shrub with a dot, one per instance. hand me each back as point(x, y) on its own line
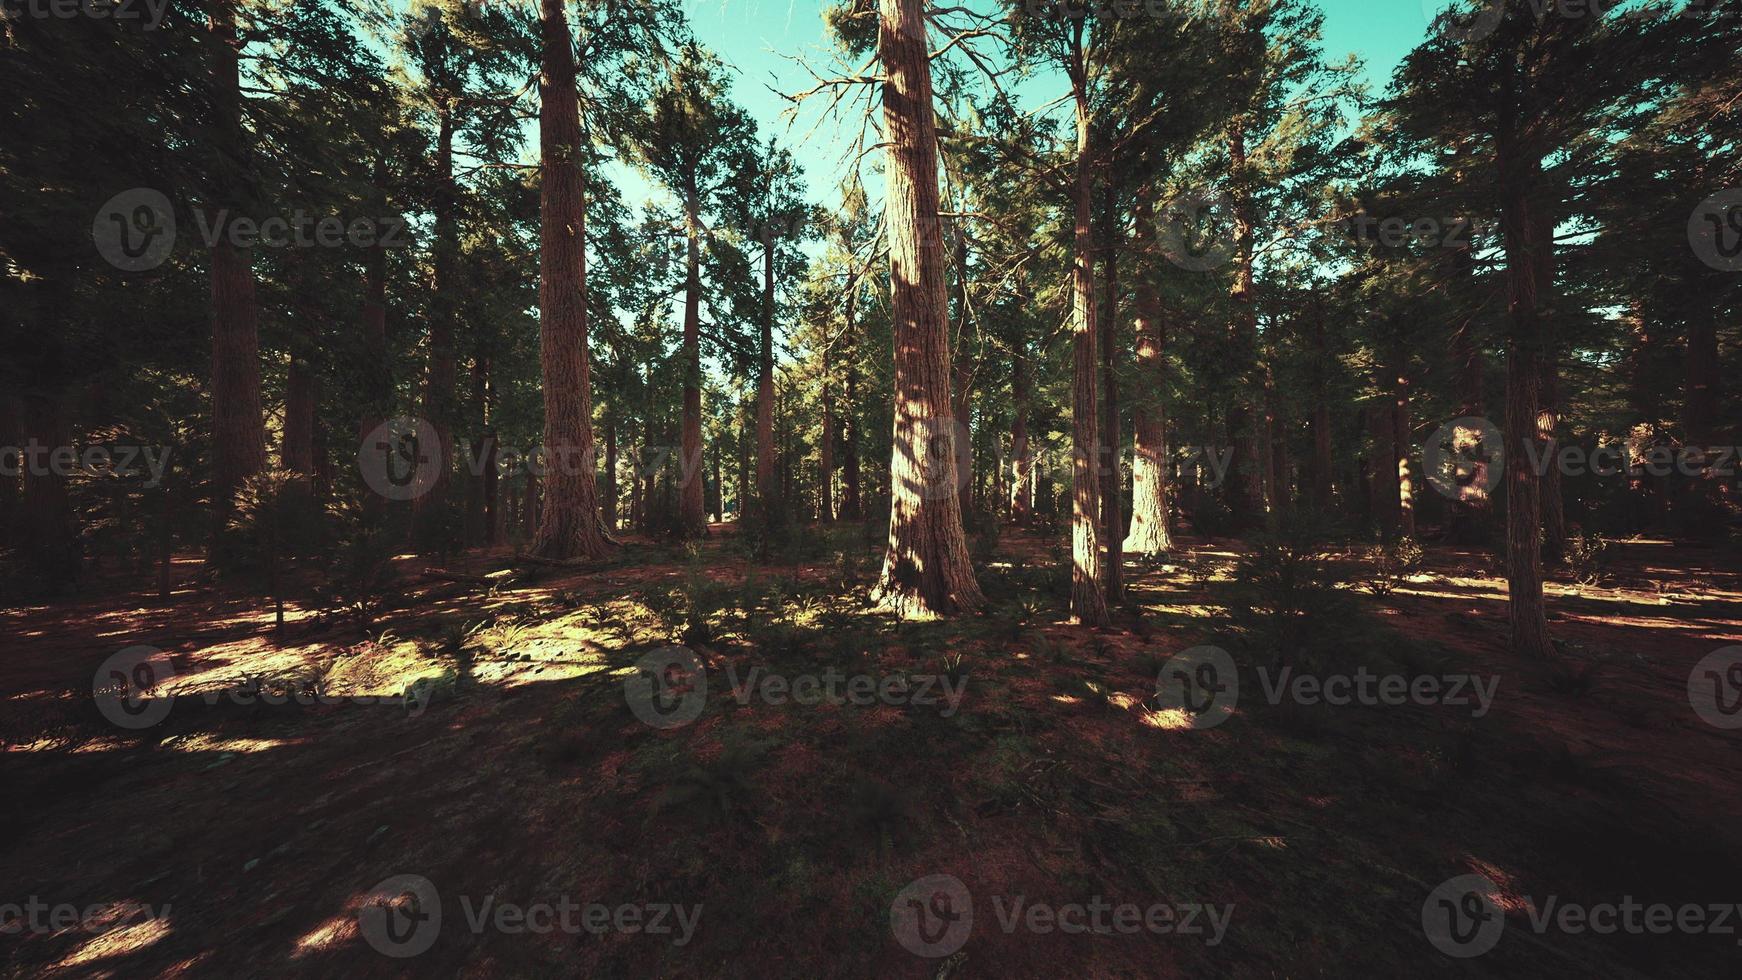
point(1285, 592)
point(1388, 566)
point(1586, 558)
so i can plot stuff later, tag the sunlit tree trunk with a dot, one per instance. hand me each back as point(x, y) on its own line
point(926, 568)
point(1402, 444)
point(570, 526)
point(1149, 528)
point(239, 428)
point(1088, 562)
point(608, 508)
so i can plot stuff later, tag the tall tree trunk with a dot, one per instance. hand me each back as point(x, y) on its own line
point(692, 498)
point(1250, 463)
point(963, 372)
point(926, 568)
point(1088, 562)
point(1022, 465)
point(570, 527)
point(1112, 500)
point(297, 448)
point(1520, 174)
point(766, 491)
point(1149, 534)
point(479, 449)
point(442, 376)
point(239, 428)
point(377, 370)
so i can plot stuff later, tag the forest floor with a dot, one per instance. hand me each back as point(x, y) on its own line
point(243, 839)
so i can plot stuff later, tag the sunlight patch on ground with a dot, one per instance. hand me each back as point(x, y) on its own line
point(122, 941)
point(338, 930)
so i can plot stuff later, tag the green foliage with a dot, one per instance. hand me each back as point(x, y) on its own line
point(1387, 566)
point(1284, 596)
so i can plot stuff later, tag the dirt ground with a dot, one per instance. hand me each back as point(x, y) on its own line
point(241, 838)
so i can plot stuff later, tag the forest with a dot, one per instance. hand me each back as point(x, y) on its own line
point(870, 488)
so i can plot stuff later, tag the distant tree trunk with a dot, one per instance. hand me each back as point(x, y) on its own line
point(1554, 521)
point(964, 379)
point(1250, 463)
point(1402, 443)
point(1022, 466)
point(45, 531)
point(1112, 500)
point(1472, 509)
point(239, 428)
point(1383, 426)
point(1322, 464)
point(719, 489)
point(851, 507)
point(826, 452)
point(297, 450)
point(442, 377)
point(926, 568)
point(1088, 562)
point(478, 448)
point(692, 499)
point(609, 501)
point(1520, 174)
point(532, 504)
point(746, 422)
point(1149, 526)
point(570, 527)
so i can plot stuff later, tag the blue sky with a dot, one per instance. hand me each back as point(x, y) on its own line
point(755, 36)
